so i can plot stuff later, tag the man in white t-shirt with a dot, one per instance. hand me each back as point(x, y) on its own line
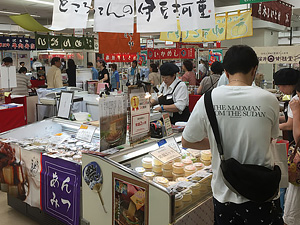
point(247, 124)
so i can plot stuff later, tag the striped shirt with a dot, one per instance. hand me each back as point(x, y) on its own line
point(22, 85)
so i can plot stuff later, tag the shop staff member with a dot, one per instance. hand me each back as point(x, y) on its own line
point(174, 97)
point(132, 73)
point(54, 79)
point(94, 71)
point(103, 73)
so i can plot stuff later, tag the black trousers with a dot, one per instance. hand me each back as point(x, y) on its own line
point(250, 213)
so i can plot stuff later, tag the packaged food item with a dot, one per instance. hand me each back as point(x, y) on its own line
point(189, 170)
point(176, 175)
point(171, 183)
point(149, 175)
point(167, 173)
point(168, 165)
point(187, 196)
point(206, 155)
point(187, 161)
point(206, 162)
point(178, 168)
point(179, 179)
point(140, 170)
point(156, 162)
point(159, 174)
point(162, 181)
point(199, 165)
point(178, 201)
point(195, 190)
point(157, 169)
point(147, 162)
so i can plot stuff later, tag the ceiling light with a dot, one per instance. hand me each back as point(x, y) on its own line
point(15, 13)
point(41, 2)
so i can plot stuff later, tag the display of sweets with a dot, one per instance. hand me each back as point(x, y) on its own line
point(162, 181)
point(199, 165)
point(189, 170)
point(147, 162)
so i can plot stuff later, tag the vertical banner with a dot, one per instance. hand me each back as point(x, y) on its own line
point(130, 201)
point(192, 36)
point(67, 42)
point(156, 16)
point(88, 43)
point(61, 182)
point(63, 10)
point(55, 42)
point(218, 33)
point(215, 55)
point(171, 35)
point(195, 14)
point(41, 41)
point(113, 121)
point(239, 25)
point(4, 43)
point(114, 16)
point(78, 42)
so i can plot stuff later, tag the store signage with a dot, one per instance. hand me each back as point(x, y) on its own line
point(278, 54)
point(215, 55)
point(78, 10)
point(60, 185)
point(16, 43)
point(85, 133)
point(254, 1)
point(276, 12)
point(8, 78)
point(239, 25)
point(41, 41)
point(218, 33)
point(150, 43)
point(174, 53)
point(120, 57)
point(167, 123)
point(165, 154)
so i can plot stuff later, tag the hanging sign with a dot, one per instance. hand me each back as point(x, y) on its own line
point(192, 36)
point(41, 41)
point(120, 57)
point(218, 33)
point(195, 14)
point(276, 12)
point(63, 10)
point(254, 1)
point(88, 43)
point(114, 16)
point(215, 55)
point(55, 42)
point(173, 36)
point(78, 42)
point(174, 53)
point(156, 16)
point(239, 25)
point(4, 43)
point(67, 43)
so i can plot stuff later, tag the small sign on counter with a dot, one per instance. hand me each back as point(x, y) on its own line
point(85, 133)
point(168, 124)
point(165, 154)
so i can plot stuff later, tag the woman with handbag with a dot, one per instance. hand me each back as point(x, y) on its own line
point(292, 199)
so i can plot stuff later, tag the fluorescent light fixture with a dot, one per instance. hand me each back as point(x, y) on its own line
point(41, 2)
point(15, 13)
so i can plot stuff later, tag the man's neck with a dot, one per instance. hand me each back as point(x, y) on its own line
point(240, 79)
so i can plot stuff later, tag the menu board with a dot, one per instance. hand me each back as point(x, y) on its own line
point(113, 121)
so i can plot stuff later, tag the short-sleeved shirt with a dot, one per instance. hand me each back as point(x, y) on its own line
point(290, 112)
point(54, 79)
point(248, 117)
point(95, 73)
point(115, 78)
point(190, 77)
point(102, 73)
point(209, 83)
point(155, 77)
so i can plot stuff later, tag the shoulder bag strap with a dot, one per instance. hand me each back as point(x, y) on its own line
point(213, 121)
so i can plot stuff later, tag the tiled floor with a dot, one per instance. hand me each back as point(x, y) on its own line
point(10, 216)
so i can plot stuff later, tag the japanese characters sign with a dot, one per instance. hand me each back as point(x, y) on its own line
point(16, 43)
point(114, 16)
point(218, 33)
point(276, 11)
point(55, 42)
point(174, 53)
point(239, 25)
point(254, 1)
point(88, 43)
point(276, 55)
point(192, 36)
point(150, 13)
point(120, 57)
point(63, 10)
point(196, 14)
point(130, 201)
point(165, 154)
point(41, 41)
point(61, 181)
point(171, 35)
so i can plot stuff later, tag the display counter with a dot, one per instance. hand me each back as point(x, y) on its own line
point(12, 118)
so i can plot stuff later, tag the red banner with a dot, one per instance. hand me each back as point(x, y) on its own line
point(174, 53)
point(120, 57)
point(275, 12)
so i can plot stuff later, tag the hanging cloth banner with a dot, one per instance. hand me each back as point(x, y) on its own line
point(171, 35)
point(114, 16)
point(55, 42)
point(174, 53)
point(78, 42)
point(41, 41)
point(276, 12)
point(192, 36)
point(156, 16)
point(120, 57)
point(195, 14)
point(239, 25)
point(27, 22)
point(218, 33)
point(88, 43)
point(118, 42)
point(70, 14)
point(67, 43)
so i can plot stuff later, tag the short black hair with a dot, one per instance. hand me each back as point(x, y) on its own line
point(154, 67)
point(102, 62)
point(286, 76)
point(297, 87)
point(134, 61)
point(22, 63)
point(217, 68)
point(90, 64)
point(54, 60)
point(114, 66)
point(7, 60)
point(22, 70)
point(188, 65)
point(240, 59)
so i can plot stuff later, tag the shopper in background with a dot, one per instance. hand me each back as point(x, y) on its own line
point(174, 97)
point(154, 76)
point(94, 71)
point(103, 75)
point(71, 71)
point(132, 73)
point(292, 198)
point(210, 82)
point(246, 124)
point(22, 64)
point(54, 79)
point(23, 83)
point(7, 61)
point(189, 75)
point(203, 68)
point(115, 78)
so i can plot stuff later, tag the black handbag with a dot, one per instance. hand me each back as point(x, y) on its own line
point(254, 182)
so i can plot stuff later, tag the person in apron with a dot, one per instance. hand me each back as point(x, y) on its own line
point(173, 95)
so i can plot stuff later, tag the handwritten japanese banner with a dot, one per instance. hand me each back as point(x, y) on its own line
point(120, 57)
point(88, 43)
point(63, 10)
point(175, 53)
point(196, 14)
point(55, 42)
point(156, 15)
point(239, 25)
point(41, 41)
point(171, 35)
point(16, 43)
point(67, 43)
point(277, 12)
point(218, 33)
point(276, 55)
point(192, 36)
point(114, 16)
point(61, 181)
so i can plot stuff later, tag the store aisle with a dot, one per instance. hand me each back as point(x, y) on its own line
point(11, 216)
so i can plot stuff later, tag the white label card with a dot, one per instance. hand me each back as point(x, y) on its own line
point(85, 133)
point(165, 154)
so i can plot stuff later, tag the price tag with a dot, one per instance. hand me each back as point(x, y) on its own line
point(85, 133)
point(168, 124)
point(165, 154)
